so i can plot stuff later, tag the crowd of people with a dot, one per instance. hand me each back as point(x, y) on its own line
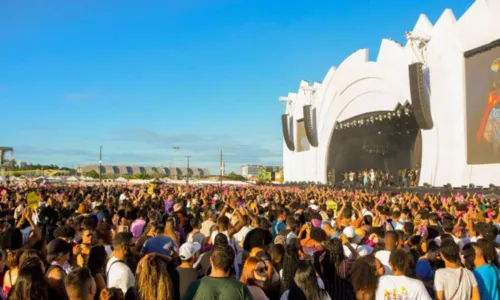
point(253, 242)
point(377, 178)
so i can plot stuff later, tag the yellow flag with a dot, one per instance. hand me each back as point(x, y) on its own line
point(32, 198)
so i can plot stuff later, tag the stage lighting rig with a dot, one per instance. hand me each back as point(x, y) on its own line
point(419, 44)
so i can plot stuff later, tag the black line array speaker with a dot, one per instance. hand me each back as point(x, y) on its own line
point(309, 125)
point(420, 101)
point(285, 124)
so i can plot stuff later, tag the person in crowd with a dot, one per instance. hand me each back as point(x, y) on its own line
point(365, 275)
point(80, 285)
point(255, 275)
point(425, 269)
point(58, 256)
point(289, 264)
point(209, 223)
point(160, 243)
point(204, 262)
point(397, 285)
point(219, 284)
point(306, 286)
point(336, 253)
point(153, 279)
point(337, 286)
point(345, 235)
point(96, 263)
point(138, 225)
point(82, 249)
point(118, 273)
point(454, 281)
point(487, 274)
point(195, 236)
point(188, 253)
point(11, 274)
point(31, 282)
point(390, 244)
point(171, 231)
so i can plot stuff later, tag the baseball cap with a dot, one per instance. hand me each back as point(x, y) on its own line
point(189, 249)
point(57, 248)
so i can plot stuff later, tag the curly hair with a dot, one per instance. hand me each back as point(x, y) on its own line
point(153, 280)
point(364, 274)
point(13, 258)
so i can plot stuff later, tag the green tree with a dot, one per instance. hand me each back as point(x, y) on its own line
point(92, 174)
point(234, 176)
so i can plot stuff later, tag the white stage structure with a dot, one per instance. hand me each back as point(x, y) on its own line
point(359, 86)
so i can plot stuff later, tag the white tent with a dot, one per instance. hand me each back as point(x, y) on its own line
point(72, 179)
point(121, 180)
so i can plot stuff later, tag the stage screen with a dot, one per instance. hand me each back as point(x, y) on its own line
point(302, 141)
point(482, 83)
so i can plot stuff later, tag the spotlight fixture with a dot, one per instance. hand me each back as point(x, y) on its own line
point(398, 113)
point(407, 111)
point(372, 119)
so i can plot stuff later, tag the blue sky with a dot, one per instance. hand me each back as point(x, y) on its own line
point(140, 77)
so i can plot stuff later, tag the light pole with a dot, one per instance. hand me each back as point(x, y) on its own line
point(174, 174)
point(221, 169)
point(100, 164)
point(188, 173)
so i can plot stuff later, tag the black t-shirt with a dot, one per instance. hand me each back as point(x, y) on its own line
point(174, 276)
point(434, 231)
point(186, 277)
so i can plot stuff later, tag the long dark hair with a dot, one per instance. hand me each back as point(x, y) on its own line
point(335, 251)
point(30, 284)
point(97, 259)
point(289, 265)
point(305, 283)
point(337, 287)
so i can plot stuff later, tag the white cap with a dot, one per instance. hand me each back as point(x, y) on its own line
point(189, 249)
point(349, 232)
point(290, 236)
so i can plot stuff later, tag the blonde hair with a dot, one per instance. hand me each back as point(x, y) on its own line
point(153, 280)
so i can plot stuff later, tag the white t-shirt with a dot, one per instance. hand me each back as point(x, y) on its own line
point(383, 256)
point(460, 242)
point(239, 237)
point(366, 212)
point(447, 280)
point(401, 288)
point(206, 226)
point(119, 275)
point(363, 250)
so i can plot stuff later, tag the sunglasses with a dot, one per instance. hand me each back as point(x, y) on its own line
point(261, 269)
